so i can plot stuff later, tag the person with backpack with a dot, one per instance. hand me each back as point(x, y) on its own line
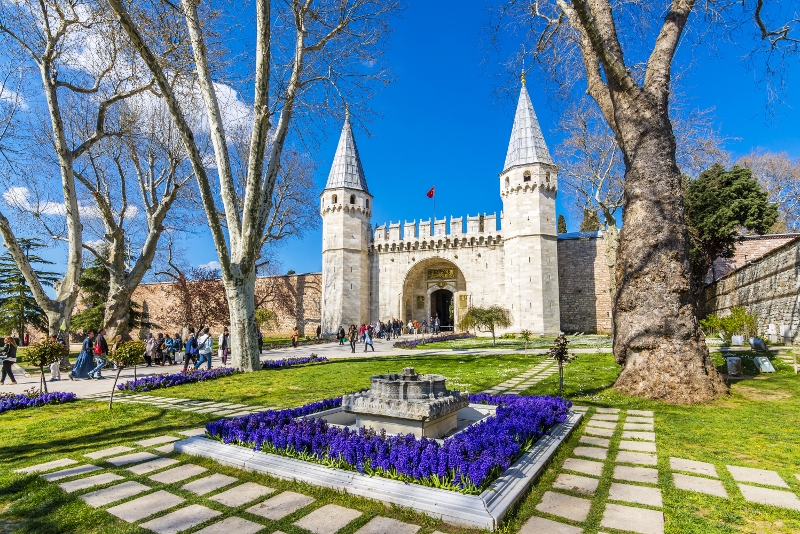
point(205, 346)
point(191, 349)
point(169, 351)
point(100, 351)
point(9, 356)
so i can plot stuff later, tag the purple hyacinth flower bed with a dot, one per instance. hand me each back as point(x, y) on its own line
point(467, 462)
point(288, 362)
point(19, 402)
point(152, 382)
point(413, 343)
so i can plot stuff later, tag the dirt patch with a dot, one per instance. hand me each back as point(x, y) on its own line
point(762, 394)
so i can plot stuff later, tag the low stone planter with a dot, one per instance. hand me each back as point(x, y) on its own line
point(486, 510)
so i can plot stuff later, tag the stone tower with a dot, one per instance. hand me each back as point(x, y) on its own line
point(346, 207)
point(528, 187)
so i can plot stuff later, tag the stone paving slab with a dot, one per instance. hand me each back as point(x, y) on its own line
point(699, 485)
point(693, 466)
point(384, 525)
point(638, 446)
point(648, 420)
point(757, 476)
point(580, 408)
point(207, 410)
point(178, 473)
point(646, 413)
point(638, 426)
point(644, 436)
point(96, 455)
point(598, 442)
point(576, 483)
point(158, 440)
point(208, 484)
point(105, 496)
point(607, 410)
point(587, 467)
point(242, 494)
point(146, 506)
point(636, 474)
point(165, 449)
point(71, 472)
point(132, 458)
point(602, 424)
point(783, 499)
point(540, 525)
point(194, 432)
point(232, 525)
point(605, 417)
point(633, 519)
point(180, 520)
point(598, 431)
point(328, 520)
point(591, 452)
point(566, 506)
point(635, 494)
point(798, 477)
point(281, 505)
point(88, 482)
point(49, 466)
point(153, 465)
point(643, 458)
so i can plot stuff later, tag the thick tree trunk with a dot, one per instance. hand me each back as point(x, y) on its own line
point(612, 243)
point(241, 305)
point(118, 306)
point(656, 335)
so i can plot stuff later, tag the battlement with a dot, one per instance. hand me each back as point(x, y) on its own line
point(481, 230)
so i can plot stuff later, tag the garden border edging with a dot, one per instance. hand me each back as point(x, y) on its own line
point(483, 511)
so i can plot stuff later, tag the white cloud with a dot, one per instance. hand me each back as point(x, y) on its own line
point(14, 98)
point(213, 265)
point(20, 197)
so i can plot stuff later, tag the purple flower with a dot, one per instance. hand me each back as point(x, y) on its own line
point(152, 382)
point(18, 402)
point(412, 343)
point(287, 362)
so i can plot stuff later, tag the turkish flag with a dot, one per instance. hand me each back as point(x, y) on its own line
point(430, 193)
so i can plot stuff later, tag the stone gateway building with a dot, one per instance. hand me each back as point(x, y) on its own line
point(440, 268)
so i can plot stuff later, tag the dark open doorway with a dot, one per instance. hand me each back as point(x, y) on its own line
point(442, 307)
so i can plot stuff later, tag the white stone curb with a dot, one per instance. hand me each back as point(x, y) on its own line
point(482, 511)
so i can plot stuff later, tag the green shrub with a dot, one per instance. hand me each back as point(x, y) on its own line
point(738, 322)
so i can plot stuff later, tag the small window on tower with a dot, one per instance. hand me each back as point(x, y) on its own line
point(527, 176)
point(547, 177)
point(352, 199)
point(508, 182)
point(334, 199)
point(367, 203)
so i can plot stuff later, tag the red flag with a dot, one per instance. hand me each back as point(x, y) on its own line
point(430, 193)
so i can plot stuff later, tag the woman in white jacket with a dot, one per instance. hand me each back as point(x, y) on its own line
point(205, 345)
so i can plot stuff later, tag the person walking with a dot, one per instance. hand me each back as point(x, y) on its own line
point(177, 348)
point(149, 349)
point(319, 331)
point(205, 346)
point(222, 343)
point(85, 362)
point(101, 355)
point(368, 340)
point(341, 335)
point(295, 336)
point(260, 340)
point(169, 349)
point(192, 351)
point(352, 335)
point(9, 356)
point(55, 367)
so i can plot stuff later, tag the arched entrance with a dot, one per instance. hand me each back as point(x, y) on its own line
point(442, 308)
point(433, 287)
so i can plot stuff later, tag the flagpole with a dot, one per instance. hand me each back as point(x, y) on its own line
point(434, 205)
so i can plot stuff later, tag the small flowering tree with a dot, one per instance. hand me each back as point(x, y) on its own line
point(127, 354)
point(42, 354)
point(559, 353)
point(526, 336)
point(486, 319)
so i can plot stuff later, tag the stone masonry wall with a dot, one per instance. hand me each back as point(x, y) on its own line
point(583, 279)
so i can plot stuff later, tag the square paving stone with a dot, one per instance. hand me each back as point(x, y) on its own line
point(636, 474)
point(71, 472)
point(637, 494)
point(540, 525)
point(602, 424)
point(158, 440)
point(328, 519)
point(645, 413)
point(643, 458)
point(605, 417)
point(798, 477)
point(105, 496)
point(194, 432)
point(231, 525)
point(644, 436)
point(633, 519)
point(573, 508)
point(88, 482)
point(598, 431)
point(638, 446)
point(208, 484)
point(146, 506)
point(165, 449)
point(180, 520)
point(242, 494)
point(576, 483)
point(699, 485)
point(580, 408)
point(693, 466)
point(178, 473)
point(132, 458)
point(587, 467)
point(281, 505)
point(49, 466)
point(591, 452)
point(108, 452)
point(384, 525)
point(648, 420)
point(757, 476)
point(783, 499)
point(599, 442)
point(608, 410)
point(637, 426)
point(153, 465)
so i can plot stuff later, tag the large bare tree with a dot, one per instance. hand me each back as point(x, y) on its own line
point(779, 175)
point(309, 55)
point(624, 52)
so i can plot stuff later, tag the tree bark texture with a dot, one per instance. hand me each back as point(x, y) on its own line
point(241, 305)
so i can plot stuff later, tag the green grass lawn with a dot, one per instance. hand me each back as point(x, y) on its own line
point(588, 341)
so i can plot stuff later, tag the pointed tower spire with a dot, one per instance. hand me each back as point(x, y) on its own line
point(346, 170)
point(527, 142)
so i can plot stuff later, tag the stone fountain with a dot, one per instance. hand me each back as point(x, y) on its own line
point(407, 403)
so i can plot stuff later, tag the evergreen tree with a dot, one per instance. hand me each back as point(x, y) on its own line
point(18, 308)
point(590, 222)
point(562, 225)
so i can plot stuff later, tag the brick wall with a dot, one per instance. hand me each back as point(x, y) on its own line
point(748, 250)
point(583, 279)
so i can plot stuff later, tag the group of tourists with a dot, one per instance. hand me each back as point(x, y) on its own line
point(388, 330)
point(92, 358)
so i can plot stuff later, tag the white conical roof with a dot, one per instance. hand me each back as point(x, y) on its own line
point(346, 170)
point(527, 143)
